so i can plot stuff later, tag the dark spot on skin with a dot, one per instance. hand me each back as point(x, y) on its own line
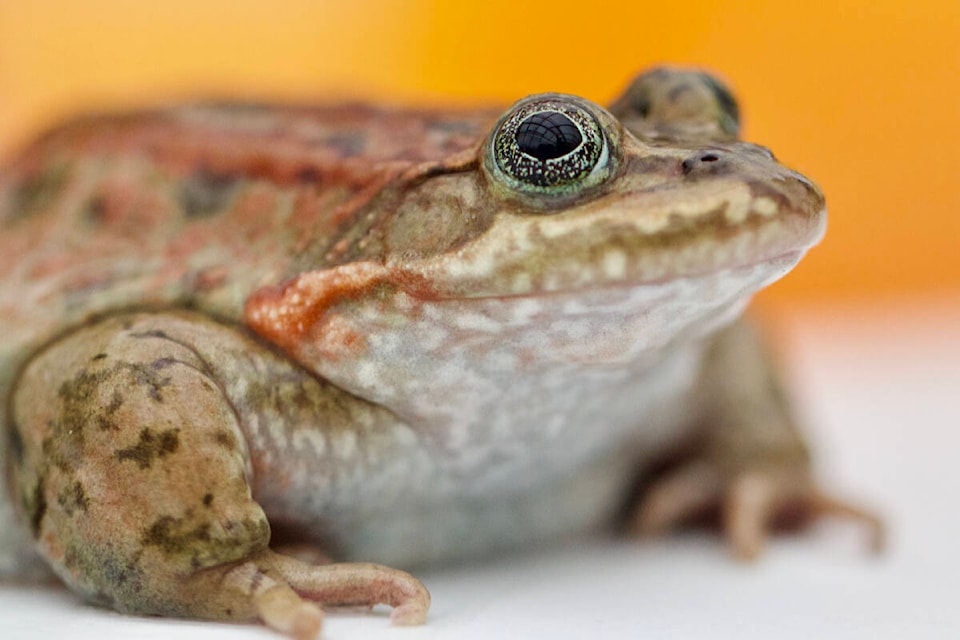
point(80, 395)
point(77, 396)
point(151, 446)
point(71, 557)
point(208, 499)
point(125, 578)
point(104, 423)
point(117, 578)
point(104, 420)
point(37, 192)
point(73, 499)
point(80, 496)
point(308, 175)
point(147, 376)
point(99, 356)
point(118, 573)
point(115, 403)
point(54, 454)
point(95, 212)
point(642, 106)
point(204, 194)
point(37, 507)
point(80, 406)
point(347, 144)
point(226, 439)
point(181, 536)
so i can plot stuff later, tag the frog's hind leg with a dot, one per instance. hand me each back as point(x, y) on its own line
point(131, 471)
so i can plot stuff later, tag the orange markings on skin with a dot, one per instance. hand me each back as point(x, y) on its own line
point(339, 339)
point(283, 315)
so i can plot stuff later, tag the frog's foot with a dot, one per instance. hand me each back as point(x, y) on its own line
point(284, 592)
point(750, 502)
point(358, 584)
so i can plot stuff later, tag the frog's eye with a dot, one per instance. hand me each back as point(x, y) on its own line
point(551, 145)
point(672, 99)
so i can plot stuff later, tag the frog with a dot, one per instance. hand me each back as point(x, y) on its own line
point(262, 359)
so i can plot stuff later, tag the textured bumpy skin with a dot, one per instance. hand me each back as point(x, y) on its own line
point(394, 336)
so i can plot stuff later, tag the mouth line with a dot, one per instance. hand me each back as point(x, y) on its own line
point(790, 257)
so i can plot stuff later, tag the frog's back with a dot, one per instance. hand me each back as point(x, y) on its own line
point(191, 206)
point(194, 205)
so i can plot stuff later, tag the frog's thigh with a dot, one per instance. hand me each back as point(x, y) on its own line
point(132, 471)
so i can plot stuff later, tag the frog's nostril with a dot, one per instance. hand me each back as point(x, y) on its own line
point(696, 162)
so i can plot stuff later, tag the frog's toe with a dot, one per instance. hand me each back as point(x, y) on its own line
point(751, 503)
point(757, 500)
point(274, 602)
point(357, 584)
point(675, 498)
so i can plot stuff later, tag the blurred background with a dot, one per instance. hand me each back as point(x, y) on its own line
point(862, 96)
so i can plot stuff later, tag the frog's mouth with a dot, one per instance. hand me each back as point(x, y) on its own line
point(606, 244)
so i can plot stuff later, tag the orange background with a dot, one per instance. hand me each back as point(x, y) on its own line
point(862, 96)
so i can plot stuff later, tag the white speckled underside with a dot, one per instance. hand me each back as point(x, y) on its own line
point(524, 418)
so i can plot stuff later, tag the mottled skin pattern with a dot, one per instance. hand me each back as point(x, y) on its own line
point(226, 328)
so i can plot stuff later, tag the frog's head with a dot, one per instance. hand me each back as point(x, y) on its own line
point(567, 198)
point(654, 219)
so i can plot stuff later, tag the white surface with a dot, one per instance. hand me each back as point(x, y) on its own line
point(880, 388)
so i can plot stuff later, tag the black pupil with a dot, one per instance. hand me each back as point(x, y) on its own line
point(548, 135)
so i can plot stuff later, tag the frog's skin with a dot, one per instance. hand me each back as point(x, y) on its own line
point(394, 336)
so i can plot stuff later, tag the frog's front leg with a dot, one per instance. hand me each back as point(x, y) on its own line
point(133, 471)
point(751, 463)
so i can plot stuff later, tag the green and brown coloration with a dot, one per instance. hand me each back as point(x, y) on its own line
point(401, 336)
